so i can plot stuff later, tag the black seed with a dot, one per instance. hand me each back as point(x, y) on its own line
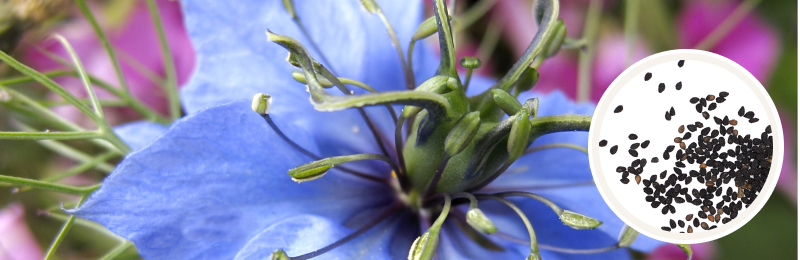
point(703, 102)
point(706, 115)
point(694, 100)
point(665, 228)
point(661, 87)
point(741, 111)
point(753, 120)
point(749, 114)
point(696, 222)
point(648, 76)
point(671, 209)
point(680, 63)
point(618, 109)
point(705, 131)
point(726, 220)
point(666, 155)
point(635, 146)
point(613, 149)
point(712, 106)
point(665, 209)
point(672, 223)
point(723, 94)
point(625, 181)
point(663, 174)
point(635, 163)
point(620, 169)
point(679, 86)
point(632, 136)
point(686, 136)
point(698, 108)
point(681, 223)
point(768, 129)
point(655, 204)
point(654, 160)
point(667, 116)
point(672, 111)
point(633, 153)
point(718, 120)
point(603, 143)
point(645, 143)
point(721, 99)
point(670, 148)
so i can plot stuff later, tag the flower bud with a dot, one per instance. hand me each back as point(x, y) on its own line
point(470, 62)
point(578, 221)
point(370, 5)
point(479, 221)
point(279, 255)
point(506, 102)
point(462, 133)
point(261, 103)
point(532, 105)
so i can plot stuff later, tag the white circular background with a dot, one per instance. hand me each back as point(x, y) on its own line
point(703, 73)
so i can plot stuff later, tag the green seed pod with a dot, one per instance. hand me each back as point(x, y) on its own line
point(469, 62)
point(479, 221)
point(310, 171)
point(279, 255)
point(506, 101)
point(289, 6)
point(261, 103)
point(528, 80)
point(424, 247)
point(627, 236)
point(518, 138)
point(578, 221)
point(462, 133)
point(553, 44)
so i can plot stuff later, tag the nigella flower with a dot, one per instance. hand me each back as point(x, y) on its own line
point(462, 185)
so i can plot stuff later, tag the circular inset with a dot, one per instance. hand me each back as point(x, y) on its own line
point(696, 142)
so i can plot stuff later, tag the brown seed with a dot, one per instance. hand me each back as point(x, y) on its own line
point(719, 211)
point(769, 159)
point(711, 218)
point(689, 230)
point(735, 132)
point(710, 97)
point(706, 139)
point(709, 183)
point(704, 225)
point(749, 186)
point(678, 140)
point(683, 145)
point(683, 158)
point(703, 165)
point(638, 179)
point(733, 122)
point(680, 129)
point(716, 218)
point(689, 217)
point(740, 194)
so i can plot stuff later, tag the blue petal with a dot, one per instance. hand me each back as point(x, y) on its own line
point(140, 133)
point(305, 233)
point(235, 60)
point(212, 182)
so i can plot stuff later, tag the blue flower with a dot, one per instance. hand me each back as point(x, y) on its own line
point(214, 185)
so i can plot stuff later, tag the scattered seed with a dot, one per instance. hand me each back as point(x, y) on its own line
point(661, 87)
point(633, 136)
point(679, 85)
point(613, 149)
point(638, 179)
point(645, 144)
point(689, 229)
point(647, 76)
point(723, 94)
point(680, 129)
point(635, 146)
point(672, 111)
point(654, 160)
point(734, 122)
point(741, 111)
point(712, 106)
point(633, 153)
point(710, 97)
point(666, 228)
point(706, 115)
point(618, 109)
point(689, 217)
point(678, 140)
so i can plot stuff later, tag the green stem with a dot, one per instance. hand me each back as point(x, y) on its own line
point(550, 124)
point(585, 58)
point(117, 250)
point(533, 243)
point(631, 22)
point(77, 169)
point(98, 109)
point(106, 45)
point(558, 210)
point(62, 234)
point(48, 185)
point(557, 145)
point(726, 26)
point(50, 135)
point(169, 65)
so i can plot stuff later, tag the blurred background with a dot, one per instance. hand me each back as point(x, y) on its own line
point(759, 35)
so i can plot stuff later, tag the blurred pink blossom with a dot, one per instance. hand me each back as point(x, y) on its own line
point(16, 240)
point(751, 43)
point(704, 251)
point(134, 39)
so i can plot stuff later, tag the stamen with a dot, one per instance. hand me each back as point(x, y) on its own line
point(475, 216)
point(533, 244)
point(353, 235)
point(470, 63)
point(569, 218)
point(373, 7)
point(300, 77)
point(560, 249)
point(424, 247)
point(261, 105)
point(289, 5)
point(316, 169)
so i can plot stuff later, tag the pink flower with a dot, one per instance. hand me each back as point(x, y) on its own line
point(704, 251)
point(16, 241)
point(134, 39)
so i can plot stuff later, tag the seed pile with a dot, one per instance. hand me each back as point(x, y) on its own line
point(732, 167)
